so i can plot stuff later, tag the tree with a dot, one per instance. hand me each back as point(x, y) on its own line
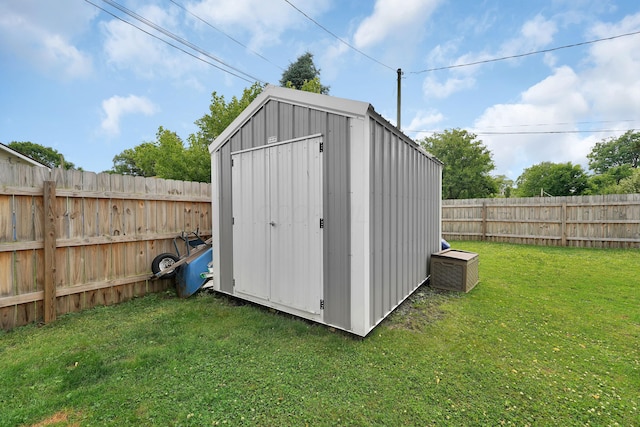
point(607, 182)
point(45, 155)
point(612, 152)
point(137, 161)
point(631, 184)
point(222, 113)
point(168, 157)
point(467, 164)
point(504, 185)
point(303, 75)
point(556, 179)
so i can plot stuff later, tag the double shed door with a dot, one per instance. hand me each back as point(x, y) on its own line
point(277, 234)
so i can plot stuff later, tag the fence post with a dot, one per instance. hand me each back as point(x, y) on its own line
point(484, 221)
point(49, 194)
point(563, 227)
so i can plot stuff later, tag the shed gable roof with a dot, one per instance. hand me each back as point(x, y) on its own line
point(328, 103)
point(11, 153)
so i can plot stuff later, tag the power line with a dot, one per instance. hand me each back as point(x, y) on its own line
point(564, 123)
point(178, 39)
point(225, 34)
point(530, 132)
point(338, 38)
point(170, 44)
point(551, 132)
point(504, 58)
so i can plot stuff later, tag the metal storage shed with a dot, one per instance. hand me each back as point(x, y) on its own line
point(322, 209)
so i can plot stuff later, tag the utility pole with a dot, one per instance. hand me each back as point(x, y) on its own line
point(399, 97)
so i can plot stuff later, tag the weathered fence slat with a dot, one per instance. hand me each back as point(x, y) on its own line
point(49, 251)
point(70, 240)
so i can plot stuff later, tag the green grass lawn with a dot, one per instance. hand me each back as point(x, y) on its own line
point(550, 336)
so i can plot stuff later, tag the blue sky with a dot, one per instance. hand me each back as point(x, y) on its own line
point(89, 85)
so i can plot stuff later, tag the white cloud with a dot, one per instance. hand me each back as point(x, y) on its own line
point(434, 89)
point(612, 80)
point(545, 106)
point(127, 47)
point(117, 106)
point(606, 89)
point(390, 19)
point(537, 32)
point(41, 33)
point(422, 122)
point(534, 34)
point(602, 92)
point(263, 20)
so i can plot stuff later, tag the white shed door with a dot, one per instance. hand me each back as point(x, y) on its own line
point(277, 211)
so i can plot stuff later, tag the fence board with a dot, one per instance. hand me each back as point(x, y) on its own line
point(6, 219)
point(6, 274)
point(610, 221)
point(107, 230)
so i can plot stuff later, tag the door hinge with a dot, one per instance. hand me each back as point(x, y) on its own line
point(321, 304)
point(321, 147)
point(231, 162)
point(321, 222)
point(234, 283)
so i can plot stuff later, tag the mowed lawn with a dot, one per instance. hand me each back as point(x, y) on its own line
point(549, 337)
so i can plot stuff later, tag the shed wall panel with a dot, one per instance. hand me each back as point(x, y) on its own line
point(405, 213)
point(337, 292)
point(226, 220)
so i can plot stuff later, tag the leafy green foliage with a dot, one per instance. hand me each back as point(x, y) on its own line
point(517, 350)
point(614, 152)
point(137, 161)
point(608, 182)
point(303, 75)
point(556, 179)
point(222, 113)
point(630, 184)
point(313, 86)
point(467, 164)
point(170, 158)
point(505, 185)
point(46, 155)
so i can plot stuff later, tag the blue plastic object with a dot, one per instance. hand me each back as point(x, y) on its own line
point(188, 279)
point(444, 244)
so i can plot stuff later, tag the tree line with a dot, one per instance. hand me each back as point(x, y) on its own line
point(613, 163)
point(468, 163)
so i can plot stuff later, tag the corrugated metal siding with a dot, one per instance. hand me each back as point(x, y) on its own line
point(296, 238)
point(277, 205)
point(337, 229)
point(404, 217)
point(251, 229)
point(285, 121)
point(226, 218)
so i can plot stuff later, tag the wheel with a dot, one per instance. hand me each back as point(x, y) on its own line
point(164, 262)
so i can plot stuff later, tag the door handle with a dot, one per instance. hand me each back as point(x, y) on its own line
point(273, 224)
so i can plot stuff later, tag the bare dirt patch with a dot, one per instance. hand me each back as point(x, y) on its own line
point(422, 308)
point(60, 418)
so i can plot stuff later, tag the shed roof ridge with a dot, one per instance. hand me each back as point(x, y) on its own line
point(293, 96)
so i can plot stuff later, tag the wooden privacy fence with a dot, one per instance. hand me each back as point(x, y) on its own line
point(71, 240)
point(609, 221)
